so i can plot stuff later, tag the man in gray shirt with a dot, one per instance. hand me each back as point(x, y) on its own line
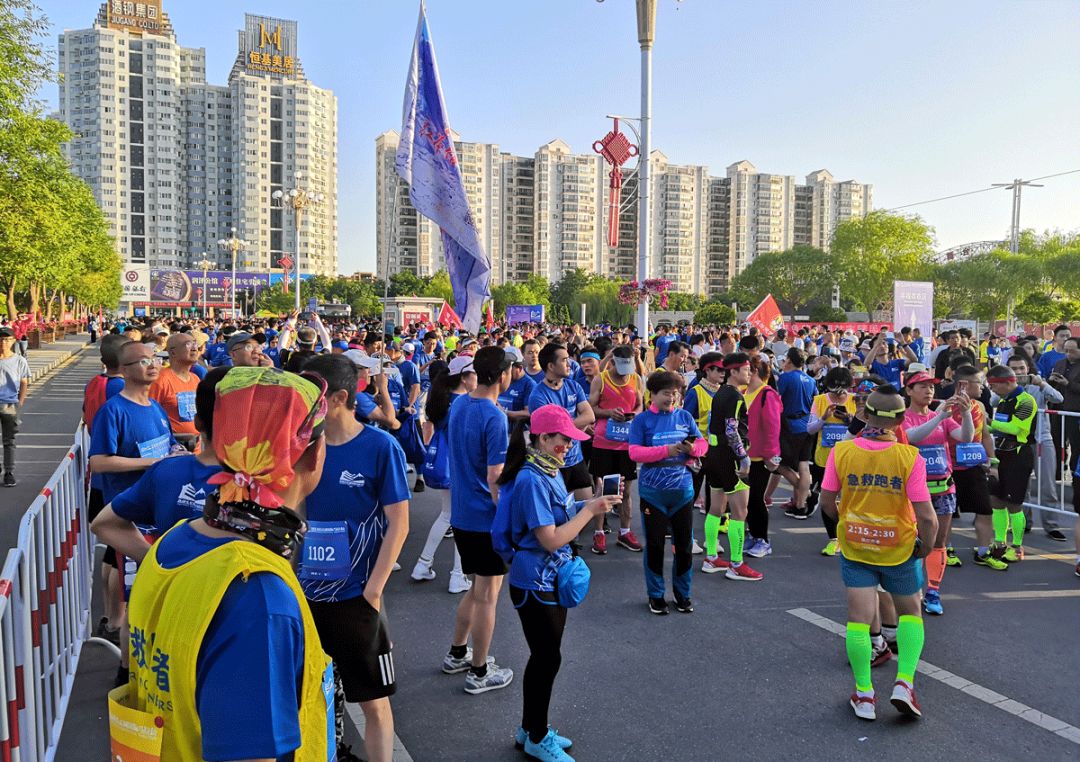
point(14, 380)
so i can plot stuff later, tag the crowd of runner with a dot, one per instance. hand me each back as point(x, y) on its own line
point(252, 481)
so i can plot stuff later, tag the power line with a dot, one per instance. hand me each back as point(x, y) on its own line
point(973, 192)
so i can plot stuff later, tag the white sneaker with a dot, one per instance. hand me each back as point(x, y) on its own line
point(459, 583)
point(496, 677)
point(423, 572)
point(697, 550)
point(397, 567)
point(863, 706)
point(903, 698)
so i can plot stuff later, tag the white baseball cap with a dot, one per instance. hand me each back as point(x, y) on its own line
point(461, 364)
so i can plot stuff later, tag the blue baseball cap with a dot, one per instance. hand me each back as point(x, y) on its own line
point(339, 344)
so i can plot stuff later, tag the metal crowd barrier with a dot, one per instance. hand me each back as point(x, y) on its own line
point(1049, 494)
point(45, 595)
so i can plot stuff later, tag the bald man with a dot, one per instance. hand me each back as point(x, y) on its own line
point(174, 388)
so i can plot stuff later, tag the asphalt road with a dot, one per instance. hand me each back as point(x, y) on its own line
point(741, 676)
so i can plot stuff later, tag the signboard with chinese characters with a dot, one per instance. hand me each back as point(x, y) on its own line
point(913, 304)
point(143, 16)
point(175, 287)
point(268, 46)
point(135, 281)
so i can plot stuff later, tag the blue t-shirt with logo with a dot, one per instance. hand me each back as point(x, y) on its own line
point(131, 430)
point(536, 500)
point(516, 397)
point(168, 491)
point(797, 390)
point(217, 355)
point(257, 623)
point(345, 513)
point(890, 370)
point(667, 479)
point(478, 438)
point(568, 397)
point(536, 378)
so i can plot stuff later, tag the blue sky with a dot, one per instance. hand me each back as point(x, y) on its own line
point(922, 99)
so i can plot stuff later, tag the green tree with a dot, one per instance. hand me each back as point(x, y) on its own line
point(439, 287)
point(795, 277)
point(406, 283)
point(683, 302)
point(562, 293)
point(714, 313)
point(870, 252)
point(1039, 308)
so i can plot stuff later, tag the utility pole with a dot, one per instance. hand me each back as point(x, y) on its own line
point(1014, 230)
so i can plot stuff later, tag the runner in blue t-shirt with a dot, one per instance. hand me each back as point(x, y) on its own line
point(663, 342)
point(358, 518)
point(515, 400)
point(558, 388)
point(477, 435)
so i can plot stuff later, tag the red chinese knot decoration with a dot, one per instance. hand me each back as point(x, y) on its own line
point(615, 149)
point(285, 262)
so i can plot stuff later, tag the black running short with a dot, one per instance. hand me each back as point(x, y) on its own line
point(478, 556)
point(795, 448)
point(607, 462)
point(576, 476)
point(1014, 473)
point(720, 469)
point(355, 636)
point(95, 504)
point(972, 491)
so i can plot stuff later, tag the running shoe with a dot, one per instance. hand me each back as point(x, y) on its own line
point(520, 737)
point(806, 512)
point(1056, 534)
point(696, 550)
point(9, 479)
point(714, 565)
point(748, 542)
point(629, 541)
point(997, 549)
point(599, 543)
point(448, 534)
point(831, 548)
point(103, 631)
point(548, 750)
point(422, 572)
point(989, 561)
point(744, 573)
point(789, 509)
point(684, 605)
point(452, 665)
point(863, 706)
point(658, 606)
point(396, 567)
point(419, 486)
point(759, 549)
point(951, 559)
point(1078, 568)
point(459, 583)
point(880, 655)
point(1014, 554)
point(931, 602)
point(496, 677)
point(903, 698)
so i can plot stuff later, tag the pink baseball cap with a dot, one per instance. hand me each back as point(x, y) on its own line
point(552, 419)
point(921, 377)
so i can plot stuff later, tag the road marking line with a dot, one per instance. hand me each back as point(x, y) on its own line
point(45, 447)
point(802, 530)
point(1022, 594)
point(994, 699)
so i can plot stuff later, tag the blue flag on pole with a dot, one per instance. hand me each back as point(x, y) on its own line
point(426, 160)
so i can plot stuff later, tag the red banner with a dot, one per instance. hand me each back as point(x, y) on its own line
point(867, 327)
point(448, 317)
point(418, 316)
point(766, 317)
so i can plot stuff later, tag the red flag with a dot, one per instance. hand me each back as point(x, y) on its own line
point(766, 317)
point(448, 317)
point(489, 321)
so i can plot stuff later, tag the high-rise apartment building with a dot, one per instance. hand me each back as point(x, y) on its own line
point(176, 163)
point(547, 214)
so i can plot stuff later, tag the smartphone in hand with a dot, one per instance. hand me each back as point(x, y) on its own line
point(611, 484)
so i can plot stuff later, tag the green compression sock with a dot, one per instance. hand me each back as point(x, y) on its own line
point(712, 534)
point(1017, 521)
point(910, 636)
point(1000, 518)
point(736, 534)
point(859, 651)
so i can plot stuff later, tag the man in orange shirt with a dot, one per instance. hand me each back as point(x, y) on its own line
point(175, 387)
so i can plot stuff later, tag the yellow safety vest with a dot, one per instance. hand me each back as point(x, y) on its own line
point(821, 402)
point(877, 523)
point(169, 613)
point(704, 408)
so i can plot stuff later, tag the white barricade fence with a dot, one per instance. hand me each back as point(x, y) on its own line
point(45, 595)
point(1049, 490)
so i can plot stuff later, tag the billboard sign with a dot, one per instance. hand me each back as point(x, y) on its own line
point(913, 305)
point(268, 46)
point(524, 313)
point(135, 281)
point(169, 286)
point(144, 16)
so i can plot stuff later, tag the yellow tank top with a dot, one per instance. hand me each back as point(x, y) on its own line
point(171, 610)
point(821, 402)
point(877, 523)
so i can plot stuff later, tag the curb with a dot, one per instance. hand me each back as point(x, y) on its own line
point(38, 374)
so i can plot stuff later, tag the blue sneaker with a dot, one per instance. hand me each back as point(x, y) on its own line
point(520, 737)
point(548, 750)
point(748, 543)
point(932, 603)
point(759, 549)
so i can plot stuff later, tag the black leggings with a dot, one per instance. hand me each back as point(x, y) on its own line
point(817, 475)
point(699, 480)
point(543, 625)
point(757, 513)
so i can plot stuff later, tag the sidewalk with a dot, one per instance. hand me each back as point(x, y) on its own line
point(50, 355)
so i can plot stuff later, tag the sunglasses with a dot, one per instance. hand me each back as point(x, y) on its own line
point(146, 362)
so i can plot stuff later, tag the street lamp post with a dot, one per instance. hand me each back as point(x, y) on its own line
point(233, 245)
point(299, 199)
point(205, 264)
point(646, 24)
